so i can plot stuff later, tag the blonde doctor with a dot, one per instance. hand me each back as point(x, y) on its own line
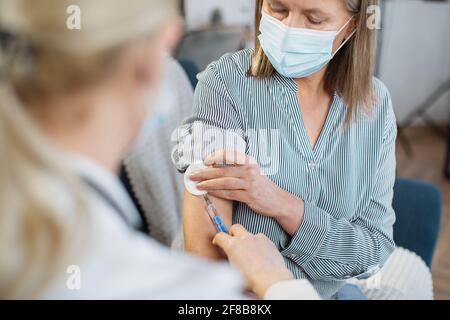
point(71, 104)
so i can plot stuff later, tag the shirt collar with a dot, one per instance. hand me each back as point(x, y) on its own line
point(108, 183)
point(285, 82)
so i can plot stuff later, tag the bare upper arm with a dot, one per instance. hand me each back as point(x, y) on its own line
point(197, 227)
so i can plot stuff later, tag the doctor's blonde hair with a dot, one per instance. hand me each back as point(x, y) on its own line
point(42, 58)
point(351, 71)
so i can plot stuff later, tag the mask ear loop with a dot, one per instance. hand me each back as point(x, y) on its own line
point(348, 38)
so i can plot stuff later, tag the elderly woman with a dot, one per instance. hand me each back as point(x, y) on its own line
point(312, 165)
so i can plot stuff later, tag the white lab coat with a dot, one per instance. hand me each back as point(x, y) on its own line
point(117, 262)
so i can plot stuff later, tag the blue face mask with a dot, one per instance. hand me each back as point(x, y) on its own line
point(160, 105)
point(155, 122)
point(297, 52)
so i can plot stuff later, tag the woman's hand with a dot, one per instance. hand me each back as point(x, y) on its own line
point(255, 256)
point(242, 181)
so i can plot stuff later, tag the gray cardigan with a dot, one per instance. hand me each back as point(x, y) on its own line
point(156, 183)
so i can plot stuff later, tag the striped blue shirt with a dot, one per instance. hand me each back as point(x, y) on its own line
point(346, 180)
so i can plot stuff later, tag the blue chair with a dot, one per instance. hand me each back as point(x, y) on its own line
point(447, 156)
point(191, 70)
point(418, 209)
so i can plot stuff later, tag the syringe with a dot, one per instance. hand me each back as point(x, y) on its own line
point(191, 187)
point(214, 216)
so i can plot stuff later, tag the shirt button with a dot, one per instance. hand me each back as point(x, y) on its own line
point(313, 165)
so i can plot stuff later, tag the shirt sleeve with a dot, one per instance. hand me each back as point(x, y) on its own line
point(215, 123)
point(327, 248)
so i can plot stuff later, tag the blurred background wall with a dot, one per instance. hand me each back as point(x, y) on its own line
point(415, 55)
point(234, 12)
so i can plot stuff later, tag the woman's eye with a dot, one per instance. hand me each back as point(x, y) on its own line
point(314, 21)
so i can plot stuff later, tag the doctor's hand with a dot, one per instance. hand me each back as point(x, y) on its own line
point(255, 256)
point(241, 180)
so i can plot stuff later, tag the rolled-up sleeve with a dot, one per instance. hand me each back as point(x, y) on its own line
point(327, 248)
point(215, 123)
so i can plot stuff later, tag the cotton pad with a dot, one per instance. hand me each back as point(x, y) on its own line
point(191, 186)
